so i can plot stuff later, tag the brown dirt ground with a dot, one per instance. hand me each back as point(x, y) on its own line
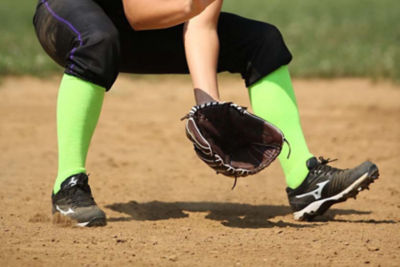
point(171, 210)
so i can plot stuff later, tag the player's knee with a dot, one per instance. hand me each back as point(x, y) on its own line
point(271, 32)
point(107, 38)
point(269, 52)
point(99, 57)
point(271, 43)
point(104, 45)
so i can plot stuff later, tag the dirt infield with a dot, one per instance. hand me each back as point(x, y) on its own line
point(172, 210)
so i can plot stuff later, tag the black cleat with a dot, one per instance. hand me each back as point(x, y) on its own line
point(75, 201)
point(325, 186)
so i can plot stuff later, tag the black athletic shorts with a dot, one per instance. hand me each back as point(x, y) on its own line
point(94, 41)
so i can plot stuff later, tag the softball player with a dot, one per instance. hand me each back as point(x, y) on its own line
point(94, 40)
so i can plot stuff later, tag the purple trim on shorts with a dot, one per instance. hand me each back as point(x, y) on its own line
point(66, 22)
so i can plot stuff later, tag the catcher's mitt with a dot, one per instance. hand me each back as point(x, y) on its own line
point(231, 140)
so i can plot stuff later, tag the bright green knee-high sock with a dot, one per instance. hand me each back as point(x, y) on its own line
point(78, 109)
point(273, 99)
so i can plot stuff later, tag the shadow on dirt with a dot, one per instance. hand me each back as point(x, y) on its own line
point(371, 221)
point(229, 214)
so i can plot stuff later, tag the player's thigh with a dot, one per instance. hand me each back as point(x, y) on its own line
point(79, 36)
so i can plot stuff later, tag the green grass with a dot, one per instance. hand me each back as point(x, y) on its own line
point(20, 52)
point(334, 38)
point(327, 38)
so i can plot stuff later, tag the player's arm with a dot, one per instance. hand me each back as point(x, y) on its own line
point(158, 14)
point(202, 49)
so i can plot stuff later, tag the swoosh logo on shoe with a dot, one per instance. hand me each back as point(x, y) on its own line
point(65, 212)
point(73, 181)
point(315, 193)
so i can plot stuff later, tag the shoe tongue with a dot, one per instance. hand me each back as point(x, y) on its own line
point(75, 180)
point(312, 163)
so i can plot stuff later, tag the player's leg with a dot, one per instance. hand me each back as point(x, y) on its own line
point(262, 60)
point(258, 52)
point(80, 37)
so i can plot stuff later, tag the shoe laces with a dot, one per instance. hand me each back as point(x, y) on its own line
point(323, 167)
point(80, 193)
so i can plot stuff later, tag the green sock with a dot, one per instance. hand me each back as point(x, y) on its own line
point(273, 99)
point(78, 110)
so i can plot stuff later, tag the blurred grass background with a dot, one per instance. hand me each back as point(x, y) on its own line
point(327, 38)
